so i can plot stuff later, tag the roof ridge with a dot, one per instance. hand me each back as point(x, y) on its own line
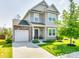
point(35, 6)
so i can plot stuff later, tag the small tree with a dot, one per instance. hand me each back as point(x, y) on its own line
point(69, 26)
point(7, 32)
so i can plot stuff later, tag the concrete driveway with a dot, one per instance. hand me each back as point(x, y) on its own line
point(29, 50)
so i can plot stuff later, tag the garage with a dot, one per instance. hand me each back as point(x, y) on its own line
point(21, 35)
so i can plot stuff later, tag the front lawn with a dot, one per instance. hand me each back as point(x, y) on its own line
point(60, 48)
point(5, 50)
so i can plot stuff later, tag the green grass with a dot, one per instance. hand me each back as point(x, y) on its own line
point(5, 50)
point(60, 48)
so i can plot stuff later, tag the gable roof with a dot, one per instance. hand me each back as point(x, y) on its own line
point(41, 3)
point(55, 8)
point(23, 22)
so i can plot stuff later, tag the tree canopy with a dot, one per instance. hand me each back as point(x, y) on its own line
point(69, 26)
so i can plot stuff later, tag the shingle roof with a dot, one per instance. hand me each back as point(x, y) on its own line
point(23, 22)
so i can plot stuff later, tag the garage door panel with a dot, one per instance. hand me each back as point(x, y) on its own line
point(21, 35)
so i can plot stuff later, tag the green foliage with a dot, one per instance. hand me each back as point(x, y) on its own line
point(6, 51)
point(60, 48)
point(9, 40)
point(7, 32)
point(59, 37)
point(36, 41)
point(49, 41)
point(69, 26)
point(1, 33)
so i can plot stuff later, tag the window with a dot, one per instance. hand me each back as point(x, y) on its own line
point(36, 17)
point(51, 19)
point(51, 32)
point(54, 32)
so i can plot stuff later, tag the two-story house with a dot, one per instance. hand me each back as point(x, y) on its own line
point(37, 23)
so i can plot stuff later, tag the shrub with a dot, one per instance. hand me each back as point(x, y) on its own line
point(49, 41)
point(9, 40)
point(35, 41)
point(59, 38)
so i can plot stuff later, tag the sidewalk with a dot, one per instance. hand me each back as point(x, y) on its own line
point(71, 55)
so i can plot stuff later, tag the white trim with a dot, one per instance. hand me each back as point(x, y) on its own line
point(51, 35)
point(29, 17)
point(38, 25)
point(33, 33)
point(45, 32)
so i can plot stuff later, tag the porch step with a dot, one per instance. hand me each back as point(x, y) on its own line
point(41, 42)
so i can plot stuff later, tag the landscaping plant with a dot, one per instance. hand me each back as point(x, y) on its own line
point(36, 41)
point(69, 26)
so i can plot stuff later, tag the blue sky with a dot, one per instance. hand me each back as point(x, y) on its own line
point(10, 8)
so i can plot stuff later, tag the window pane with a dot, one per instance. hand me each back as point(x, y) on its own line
point(50, 32)
point(50, 19)
point(36, 19)
point(53, 32)
point(53, 19)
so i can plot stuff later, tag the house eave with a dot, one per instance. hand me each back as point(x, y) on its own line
point(37, 25)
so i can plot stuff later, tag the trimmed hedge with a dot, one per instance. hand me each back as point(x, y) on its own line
point(36, 41)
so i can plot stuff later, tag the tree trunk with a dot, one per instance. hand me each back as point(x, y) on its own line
point(70, 40)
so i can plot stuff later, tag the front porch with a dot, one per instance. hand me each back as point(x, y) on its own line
point(38, 32)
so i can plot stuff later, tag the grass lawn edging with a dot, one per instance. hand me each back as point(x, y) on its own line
point(59, 48)
point(5, 49)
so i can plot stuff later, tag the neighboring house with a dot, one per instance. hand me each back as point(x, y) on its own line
point(37, 23)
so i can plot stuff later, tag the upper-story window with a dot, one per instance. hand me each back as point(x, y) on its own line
point(51, 17)
point(36, 17)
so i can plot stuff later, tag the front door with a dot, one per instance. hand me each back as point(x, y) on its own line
point(36, 33)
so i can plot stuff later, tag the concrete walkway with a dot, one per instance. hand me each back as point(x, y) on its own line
point(71, 55)
point(29, 50)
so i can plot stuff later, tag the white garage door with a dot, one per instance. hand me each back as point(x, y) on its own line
point(21, 35)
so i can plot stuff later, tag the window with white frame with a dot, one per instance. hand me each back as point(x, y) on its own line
point(36, 17)
point(51, 31)
point(51, 17)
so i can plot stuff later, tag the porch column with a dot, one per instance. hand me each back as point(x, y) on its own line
point(32, 32)
point(45, 33)
point(13, 36)
point(30, 35)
